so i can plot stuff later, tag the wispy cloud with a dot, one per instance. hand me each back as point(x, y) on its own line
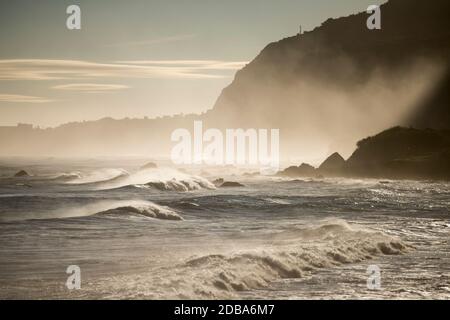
point(45, 69)
point(168, 39)
point(193, 64)
point(90, 87)
point(22, 98)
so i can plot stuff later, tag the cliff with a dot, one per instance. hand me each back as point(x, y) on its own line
point(404, 153)
point(342, 81)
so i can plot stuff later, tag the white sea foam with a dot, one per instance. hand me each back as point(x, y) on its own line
point(107, 208)
point(277, 201)
point(101, 175)
point(164, 179)
point(147, 209)
point(293, 255)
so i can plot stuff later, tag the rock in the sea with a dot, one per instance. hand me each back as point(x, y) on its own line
point(150, 165)
point(21, 173)
point(305, 170)
point(231, 184)
point(218, 182)
point(333, 165)
point(221, 183)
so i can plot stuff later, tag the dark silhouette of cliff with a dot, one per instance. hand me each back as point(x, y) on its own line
point(434, 111)
point(343, 52)
point(404, 153)
point(396, 153)
point(342, 81)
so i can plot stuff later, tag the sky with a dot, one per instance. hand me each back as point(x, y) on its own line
point(137, 58)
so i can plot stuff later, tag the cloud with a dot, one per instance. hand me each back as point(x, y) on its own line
point(194, 64)
point(46, 69)
point(22, 98)
point(90, 87)
point(168, 39)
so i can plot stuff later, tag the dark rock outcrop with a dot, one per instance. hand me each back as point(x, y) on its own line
point(403, 153)
point(397, 153)
point(218, 182)
point(304, 170)
point(21, 174)
point(231, 184)
point(333, 165)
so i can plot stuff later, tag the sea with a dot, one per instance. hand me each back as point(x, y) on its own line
point(171, 233)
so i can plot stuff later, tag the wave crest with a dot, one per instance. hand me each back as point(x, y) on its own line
point(225, 275)
point(149, 210)
point(99, 176)
point(162, 179)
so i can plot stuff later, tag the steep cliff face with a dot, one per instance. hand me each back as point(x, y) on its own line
point(342, 81)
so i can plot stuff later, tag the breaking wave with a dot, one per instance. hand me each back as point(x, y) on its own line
point(149, 210)
point(99, 176)
point(108, 209)
point(325, 246)
point(163, 179)
point(66, 177)
point(291, 255)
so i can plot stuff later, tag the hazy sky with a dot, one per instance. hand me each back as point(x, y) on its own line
point(137, 58)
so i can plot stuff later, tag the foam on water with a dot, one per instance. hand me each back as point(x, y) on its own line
point(227, 274)
point(146, 209)
point(267, 240)
point(100, 175)
point(164, 179)
point(104, 208)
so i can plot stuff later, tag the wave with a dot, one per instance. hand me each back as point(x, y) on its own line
point(67, 176)
point(291, 256)
point(230, 204)
point(149, 210)
point(99, 176)
point(108, 209)
point(162, 179)
point(187, 205)
point(277, 201)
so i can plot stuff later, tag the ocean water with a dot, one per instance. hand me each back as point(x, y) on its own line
point(169, 234)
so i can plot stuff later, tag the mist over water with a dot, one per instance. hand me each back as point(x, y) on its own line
point(272, 238)
point(319, 116)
